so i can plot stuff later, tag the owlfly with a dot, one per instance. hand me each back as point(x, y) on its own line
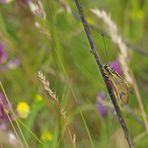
point(120, 86)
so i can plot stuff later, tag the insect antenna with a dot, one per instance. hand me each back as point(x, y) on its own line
point(105, 46)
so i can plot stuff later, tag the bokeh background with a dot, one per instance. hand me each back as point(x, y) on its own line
point(47, 36)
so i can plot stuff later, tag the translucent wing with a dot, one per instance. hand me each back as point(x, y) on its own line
point(121, 87)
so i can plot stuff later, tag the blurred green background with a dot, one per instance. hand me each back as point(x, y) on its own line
point(48, 36)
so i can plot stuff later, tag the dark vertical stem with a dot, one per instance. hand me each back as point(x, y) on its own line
point(100, 65)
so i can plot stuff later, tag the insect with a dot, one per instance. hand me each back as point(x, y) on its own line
point(121, 87)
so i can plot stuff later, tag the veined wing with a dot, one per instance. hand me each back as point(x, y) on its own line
point(122, 87)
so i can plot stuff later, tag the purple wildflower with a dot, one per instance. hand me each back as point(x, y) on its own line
point(10, 65)
point(116, 65)
point(5, 1)
point(4, 107)
point(3, 54)
point(13, 63)
point(101, 98)
point(102, 108)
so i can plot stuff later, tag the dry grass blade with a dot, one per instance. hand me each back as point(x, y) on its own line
point(46, 86)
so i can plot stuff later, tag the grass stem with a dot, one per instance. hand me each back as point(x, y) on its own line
point(100, 65)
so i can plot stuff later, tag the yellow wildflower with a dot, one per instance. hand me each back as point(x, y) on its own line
point(139, 14)
point(23, 109)
point(46, 136)
point(38, 98)
point(90, 20)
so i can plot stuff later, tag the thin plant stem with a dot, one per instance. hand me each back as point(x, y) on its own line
point(123, 57)
point(46, 86)
point(30, 131)
point(140, 136)
point(11, 124)
point(140, 103)
point(100, 66)
point(93, 146)
point(73, 138)
point(131, 46)
point(19, 128)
